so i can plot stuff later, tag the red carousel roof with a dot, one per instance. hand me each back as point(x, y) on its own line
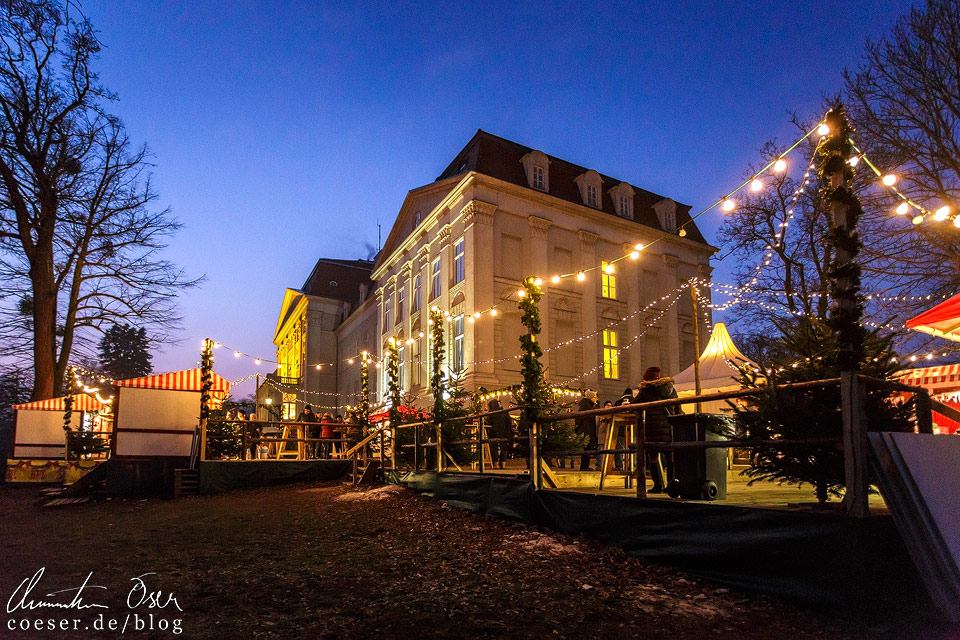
point(942, 321)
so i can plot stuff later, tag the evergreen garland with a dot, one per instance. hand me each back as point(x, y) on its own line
point(534, 395)
point(844, 277)
point(206, 379)
point(437, 354)
point(363, 409)
point(68, 400)
point(393, 382)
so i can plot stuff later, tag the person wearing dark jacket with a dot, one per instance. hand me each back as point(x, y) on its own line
point(499, 426)
point(658, 428)
point(307, 415)
point(587, 425)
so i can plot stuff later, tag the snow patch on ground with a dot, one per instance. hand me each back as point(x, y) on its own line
point(380, 493)
point(541, 543)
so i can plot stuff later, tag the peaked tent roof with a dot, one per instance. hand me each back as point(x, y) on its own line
point(942, 321)
point(717, 364)
point(942, 377)
point(81, 402)
point(187, 380)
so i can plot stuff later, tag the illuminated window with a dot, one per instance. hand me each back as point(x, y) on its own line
point(435, 283)
point(416, 293)
point(591, 195)
point(626, 207)
point(538, 182)
point(387, 315)
point(401, 301)
point(611, 355)
point(608, 282)
point(458, 267)
point(400, 367)
point(458, 343)
point(416, 362)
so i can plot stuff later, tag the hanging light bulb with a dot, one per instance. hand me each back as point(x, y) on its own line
point(780, 165)
point(903, 208)
point(823, 129)
point(942, 213)
point(318, 367)
point(638, 246)
point(917, 219)
point(682, 233)
point(236, 354)
point(521, 293)
point(493, 312)
point(257, 361)
point(729, 205)
point(889, 179)
point(854, 161)
point(756, 184)
point(471, 319)
point(581, 276)
point(956, 222)
point(420, 334)
point(608, 268)
point(555, 279)
point(538, 281)
point(634, 255)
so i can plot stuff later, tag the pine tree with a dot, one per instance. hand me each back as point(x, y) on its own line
point(124, 352)
point(810, 352)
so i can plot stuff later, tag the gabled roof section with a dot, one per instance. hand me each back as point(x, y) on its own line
point(339, 279)
point(500, 158)
point(291, 299)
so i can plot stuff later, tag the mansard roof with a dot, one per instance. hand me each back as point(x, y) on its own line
point(500, 158)
point(339, 279)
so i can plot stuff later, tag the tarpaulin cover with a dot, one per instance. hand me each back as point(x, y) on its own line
point(81, 402)
point(220, 477)
point(818, 559)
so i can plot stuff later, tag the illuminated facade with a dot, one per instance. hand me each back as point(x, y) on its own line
point(464, 243)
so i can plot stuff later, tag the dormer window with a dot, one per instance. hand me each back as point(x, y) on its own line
point(622, 195)
point(538, 178)
point(667, 214)
point(590, 184)
point(536, 166)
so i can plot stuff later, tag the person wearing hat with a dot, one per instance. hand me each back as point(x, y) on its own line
point(587, 425)
point(653, 387)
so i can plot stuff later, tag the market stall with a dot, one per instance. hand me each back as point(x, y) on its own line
point(942, 321)
point(38, 426)
point(943, 383)
point(157, 415)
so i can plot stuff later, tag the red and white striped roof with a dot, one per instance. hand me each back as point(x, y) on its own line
point(187, 380)
point(81, 402)
point(929, 376)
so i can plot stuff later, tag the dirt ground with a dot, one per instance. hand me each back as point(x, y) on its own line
point(322, 561)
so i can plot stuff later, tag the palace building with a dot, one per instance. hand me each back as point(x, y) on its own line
point(463, 243)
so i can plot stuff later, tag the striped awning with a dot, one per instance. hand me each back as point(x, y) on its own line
point(187, 380)
point(928, 376)
point(81, 402)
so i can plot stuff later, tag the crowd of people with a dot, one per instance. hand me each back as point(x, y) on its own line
point(651, 388)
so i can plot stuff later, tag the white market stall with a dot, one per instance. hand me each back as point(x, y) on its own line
point(38, 426)
point(719, 370)
point(157, 416)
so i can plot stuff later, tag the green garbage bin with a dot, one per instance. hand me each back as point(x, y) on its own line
point(701, 474)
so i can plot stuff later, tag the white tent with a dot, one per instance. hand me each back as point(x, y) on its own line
point(719, 369)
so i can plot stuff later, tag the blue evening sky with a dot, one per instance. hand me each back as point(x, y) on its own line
point(283, 131)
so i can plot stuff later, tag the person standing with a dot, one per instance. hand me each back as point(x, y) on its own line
point(307, 415)
point(327, 426)
point(653, 387)
point(587, 425)
point(499, 426)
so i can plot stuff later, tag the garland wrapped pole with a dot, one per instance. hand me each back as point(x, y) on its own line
point(363, 409)
point(68, 409)
point(206, 384)
point(534, 395)
point(393, 386)
point(836, 176)
point(437, 385)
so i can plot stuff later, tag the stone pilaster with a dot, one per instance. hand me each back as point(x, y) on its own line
point(478, 217)
point(589, 289)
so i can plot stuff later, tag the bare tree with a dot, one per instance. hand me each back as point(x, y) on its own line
point(904, 101)
point(79, 243)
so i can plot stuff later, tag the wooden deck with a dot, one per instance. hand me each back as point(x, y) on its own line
point(739, 492)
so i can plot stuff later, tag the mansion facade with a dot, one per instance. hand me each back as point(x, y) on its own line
point(463, 243)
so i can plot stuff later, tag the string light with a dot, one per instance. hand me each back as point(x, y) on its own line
point(756, 184)
point(780, 165)
point(729, 205)
point(889, 180)
point(823, 130)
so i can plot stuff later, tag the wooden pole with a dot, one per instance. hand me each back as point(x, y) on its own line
point(846, 311)
point(439, 447)
point(641, 455)
point(480, 445)
point(695, 294)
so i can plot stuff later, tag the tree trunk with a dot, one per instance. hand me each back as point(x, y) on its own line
point(45, 383)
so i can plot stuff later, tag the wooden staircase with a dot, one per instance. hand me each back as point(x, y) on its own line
point(186, 482)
